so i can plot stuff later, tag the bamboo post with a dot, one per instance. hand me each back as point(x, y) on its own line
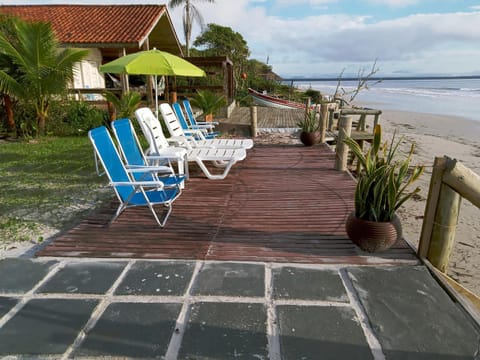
point(431, 206)
point(444, 226)
point(253, 121)
point(361, 122)
point(344, 130)
point(451, 181)
point(307, 107)
point(323, 122)
point(375, 120)
point(330, 119)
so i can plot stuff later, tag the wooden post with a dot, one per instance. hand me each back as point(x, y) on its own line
point(344, 130)
point(375, 120)
point(431, 206)
point(253, 121)
point(330, 119)
point(463, 180)
point(307, 107)
point(361, 122)
point(124, 77)
point(444, 226)
point(323, 122)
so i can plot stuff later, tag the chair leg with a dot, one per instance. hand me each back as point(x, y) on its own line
point(209, 175)
point(120, 209)
point(220, 163)
point(162, 222)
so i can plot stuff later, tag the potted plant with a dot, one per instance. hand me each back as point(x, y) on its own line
point(309, 129)
point(209, 103)
point(381, 189)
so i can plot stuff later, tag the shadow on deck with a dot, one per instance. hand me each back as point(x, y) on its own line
point(282, 204)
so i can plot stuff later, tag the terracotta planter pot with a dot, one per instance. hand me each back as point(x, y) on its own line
point(373, 236)
point(309, 138)
point(209, 117)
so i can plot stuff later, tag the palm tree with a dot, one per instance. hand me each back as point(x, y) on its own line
point(43, 69)
point(6, 25)
point(190, 14)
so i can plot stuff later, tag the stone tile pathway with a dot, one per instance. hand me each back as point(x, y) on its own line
point(71, 308)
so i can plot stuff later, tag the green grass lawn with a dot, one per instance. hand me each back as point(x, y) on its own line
point(49, 183)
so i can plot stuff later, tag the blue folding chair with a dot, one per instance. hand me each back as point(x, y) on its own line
point(135, 159)
point(197, 132)
point(151, 190)
point(191, 118)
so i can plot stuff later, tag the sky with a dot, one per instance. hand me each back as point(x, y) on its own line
point(309, 38)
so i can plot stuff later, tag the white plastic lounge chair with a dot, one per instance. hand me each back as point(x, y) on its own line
point(182, 139)
point(221, 157)
point(158, 145)
point(150, 191)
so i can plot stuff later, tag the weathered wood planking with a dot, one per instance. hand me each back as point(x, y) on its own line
point(281, 204)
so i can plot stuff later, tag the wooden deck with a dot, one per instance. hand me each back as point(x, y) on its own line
point(281, 204)
point(267, 118)
point(281, 120)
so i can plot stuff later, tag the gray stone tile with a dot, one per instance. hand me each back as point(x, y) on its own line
point(308, 284)
point(157, 278)
point(231, 279)
point(412, 315)
point(84, 278)
point(311, 333)
point(225, 331)
point(45, 327)
point(6, 304)
point(21, 275)
point(139, 330)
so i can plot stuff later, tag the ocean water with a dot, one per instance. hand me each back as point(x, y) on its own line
point(453, 97)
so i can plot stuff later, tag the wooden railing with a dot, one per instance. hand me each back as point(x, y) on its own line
point(82, 92)
point(451, 181)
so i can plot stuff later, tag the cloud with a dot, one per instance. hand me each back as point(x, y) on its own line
point(324, 43)
point(327, 43)
point(304, 2)
point(395, 3)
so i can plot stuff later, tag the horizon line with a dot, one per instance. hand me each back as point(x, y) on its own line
point(378, 78)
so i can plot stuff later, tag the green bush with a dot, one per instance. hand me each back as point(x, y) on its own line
point(25, 119)
point(314, 95)
point(74, 118)
point(126, 105)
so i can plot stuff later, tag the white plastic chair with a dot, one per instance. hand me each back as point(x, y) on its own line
point(179, 136)
point(221, 157)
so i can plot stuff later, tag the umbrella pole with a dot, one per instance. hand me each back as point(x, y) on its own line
point(156, 97)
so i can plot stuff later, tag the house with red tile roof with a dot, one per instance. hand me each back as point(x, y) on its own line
point(109, 31)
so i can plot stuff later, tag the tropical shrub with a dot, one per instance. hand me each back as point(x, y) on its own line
point(125, 105)
point(208, 101)
point(383, 181)
point(42, 68)
point(74, 118)
point(309, 123)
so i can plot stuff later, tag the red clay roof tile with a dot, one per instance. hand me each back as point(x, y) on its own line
point(93, 24)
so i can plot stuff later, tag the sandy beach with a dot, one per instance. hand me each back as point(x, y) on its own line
point(457, 138)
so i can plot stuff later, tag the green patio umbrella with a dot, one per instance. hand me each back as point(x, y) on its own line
point(152, 62)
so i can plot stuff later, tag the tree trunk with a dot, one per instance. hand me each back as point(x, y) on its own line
point(41, 120)
point(112, 112)
point(9, 111)
point(188, 27)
